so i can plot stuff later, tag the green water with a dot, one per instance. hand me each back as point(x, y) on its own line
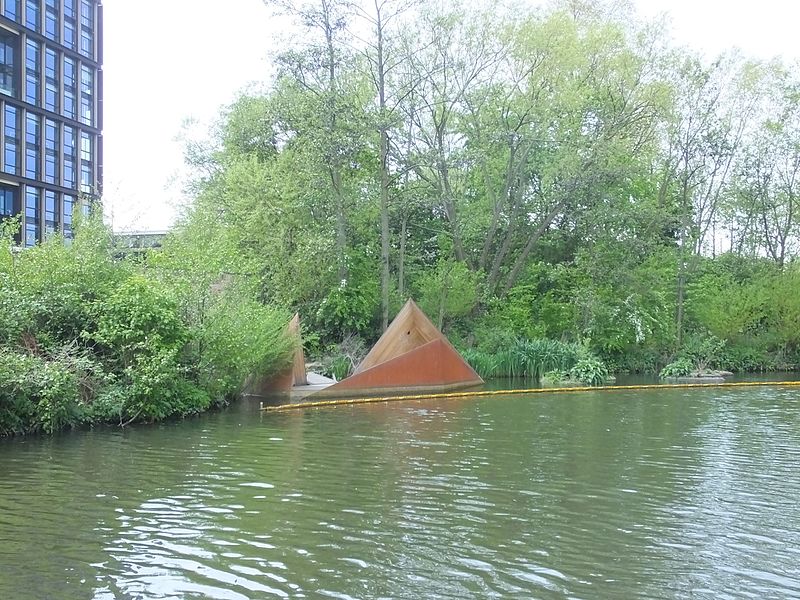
point(663, 494)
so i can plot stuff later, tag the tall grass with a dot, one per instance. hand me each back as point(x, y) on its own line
point(526, 359)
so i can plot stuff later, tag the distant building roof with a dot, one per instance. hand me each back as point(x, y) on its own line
point(139, 239)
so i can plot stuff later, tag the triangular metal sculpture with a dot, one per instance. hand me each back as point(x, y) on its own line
point(299, 360)
point(412, 356)
point(293, 375)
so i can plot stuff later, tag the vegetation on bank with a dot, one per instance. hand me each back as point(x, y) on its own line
point(561, 175)
point(86, 337)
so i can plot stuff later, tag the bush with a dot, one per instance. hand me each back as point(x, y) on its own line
point(40, 394)
point(679, 368)
point(703, 351)
point(590, 371)
point(555, 377)
point(86, 337)
point(239, 337)
point(341, 359)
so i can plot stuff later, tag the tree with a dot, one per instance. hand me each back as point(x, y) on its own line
point(766, 188)
point(713, 108)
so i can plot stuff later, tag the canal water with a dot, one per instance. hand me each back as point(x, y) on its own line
point(657, 494)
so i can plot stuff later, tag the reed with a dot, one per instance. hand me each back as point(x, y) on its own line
point(524, 359)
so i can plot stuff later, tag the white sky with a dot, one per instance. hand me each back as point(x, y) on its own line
point(170, 60)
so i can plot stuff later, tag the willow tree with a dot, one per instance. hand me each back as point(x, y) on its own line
point(320, 68)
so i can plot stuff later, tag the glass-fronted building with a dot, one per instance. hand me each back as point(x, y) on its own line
point(51, 112)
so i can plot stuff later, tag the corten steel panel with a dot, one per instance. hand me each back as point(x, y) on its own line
point(434, 366)
point(299, 360)
point(411, 356)
point(282, 382)
point(294, 374)
point(410, 329)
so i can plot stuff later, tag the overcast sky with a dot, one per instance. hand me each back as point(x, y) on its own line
point(167, 61)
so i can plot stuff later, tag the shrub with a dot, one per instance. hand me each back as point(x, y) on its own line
point(678, 368)
point(239, 337)
point(589, 370)
point(86, 337)
point(341, 359)
point(703, 351)
point(555, 377)
point(39, 393)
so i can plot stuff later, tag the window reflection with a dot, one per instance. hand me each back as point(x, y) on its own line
point(32, 72)
point(32, 219)
point(8, 60)
point(11, 143)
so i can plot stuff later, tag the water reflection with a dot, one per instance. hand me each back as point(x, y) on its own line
point(599, 495)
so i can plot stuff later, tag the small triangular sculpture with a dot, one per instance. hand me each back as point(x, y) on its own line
point(299, 376)
point(292, 376)
point(412, 356)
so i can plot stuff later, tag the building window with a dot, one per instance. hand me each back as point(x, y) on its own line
point(32, 14)
point(11, 9)
point(51, 19)
point(69, 88)
point(50, 212)
point(51, 152)
point(69, 204)
point(11, 149)
point(32, 72)
point(87, 29)
point(8, 73)
point(6, 202)
point(69, 24)
point(87, 152)
point(51, 80)
point(31, 216)
point(32, 126)
point(87, 94)
point(69, 157)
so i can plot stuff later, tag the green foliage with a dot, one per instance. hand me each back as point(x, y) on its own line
point(555, 377)
point(528, 359)
point(350, 308)
point(728, 303)
point(238, 337)
point(85, 337)
point(583, 211)
point(589, 370)
point(341, 359)
point(785, 308)
point(539, 359)
point(704, 351)
point(752, 357)
point(680, 367)
point(138, 317)
point(44, 393)
point(448, 291)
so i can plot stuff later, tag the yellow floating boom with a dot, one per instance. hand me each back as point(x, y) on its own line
point(475, 394)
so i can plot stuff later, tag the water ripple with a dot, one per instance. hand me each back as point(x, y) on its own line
point(671, 494)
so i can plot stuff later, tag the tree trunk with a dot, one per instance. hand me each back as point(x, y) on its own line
point(401, 284)
point(384, 166)
point(523, 257)
point(341, 224)
point(680, 303)
point(335, 167)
